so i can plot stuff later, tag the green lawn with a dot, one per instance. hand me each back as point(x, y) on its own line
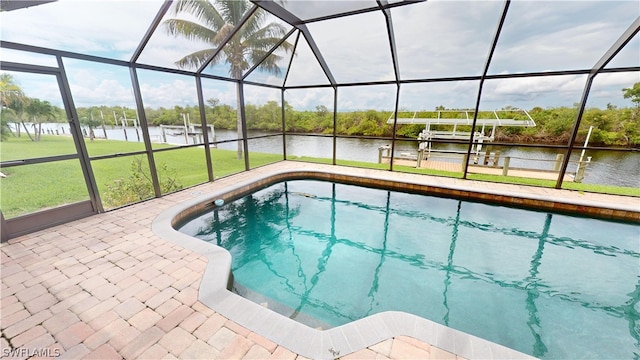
point(33, 187)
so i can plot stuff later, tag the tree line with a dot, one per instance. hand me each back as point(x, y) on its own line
point(613, 126)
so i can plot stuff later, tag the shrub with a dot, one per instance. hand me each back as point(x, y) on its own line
point(139, 185)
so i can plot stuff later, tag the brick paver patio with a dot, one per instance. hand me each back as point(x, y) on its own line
point(106, 287)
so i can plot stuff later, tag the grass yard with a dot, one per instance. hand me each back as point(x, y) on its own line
point(35, 187)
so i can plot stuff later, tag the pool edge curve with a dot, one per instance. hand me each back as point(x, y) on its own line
point(345, 339)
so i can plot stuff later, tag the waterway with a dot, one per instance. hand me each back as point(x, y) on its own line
point(605, 167)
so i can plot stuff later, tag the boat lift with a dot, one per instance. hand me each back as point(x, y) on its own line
point(465, 118)
point(188, 130)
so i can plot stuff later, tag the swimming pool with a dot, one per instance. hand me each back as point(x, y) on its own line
point(545, 284)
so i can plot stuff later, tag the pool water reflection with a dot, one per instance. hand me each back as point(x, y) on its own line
point(325, 254)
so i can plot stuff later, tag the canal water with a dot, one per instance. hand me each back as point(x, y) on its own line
point(606, 167)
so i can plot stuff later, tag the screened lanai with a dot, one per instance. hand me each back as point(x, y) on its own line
point(109, 103)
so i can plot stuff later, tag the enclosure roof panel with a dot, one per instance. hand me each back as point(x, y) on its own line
point(258, 43)
point(444, 39)
point(307, 10)
point(559, 35)
point(543, 51)
point(187, 37)
point(356, 48)
point(111, 29)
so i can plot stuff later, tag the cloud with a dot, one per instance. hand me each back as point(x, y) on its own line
point(560, 35)
point(427, 96)
point(97, 27)
point(103, 92)
point(305, 69)
point(376, 97)
point(444, 39)
point(43, 87)
point(434, 39)
point(530, 92)
point(358, 54)
point(224, 91)
point(553, 91)
point(167, 90)
point(95, 84)
point(607, 88)
point(258, 95)
point(308, 99)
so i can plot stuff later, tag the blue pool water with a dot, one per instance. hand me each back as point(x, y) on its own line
point(550, 285)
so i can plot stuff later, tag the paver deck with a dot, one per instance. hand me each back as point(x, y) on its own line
point(106, 287)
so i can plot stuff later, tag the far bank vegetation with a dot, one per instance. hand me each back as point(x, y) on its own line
point(613, 126)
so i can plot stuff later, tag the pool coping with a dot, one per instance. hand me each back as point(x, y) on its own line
point(359, 334)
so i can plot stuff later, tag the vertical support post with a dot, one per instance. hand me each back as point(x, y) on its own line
point(284, 123)
point(205, 128)
point(186, 129)
point(496, 158)
point(74, 129)
point(145, 131)
point(465, 160)
point(487, 153)
point(586, 142)
point(505, 166)
point(4, 233)
point(335, 122)
point(136, 124)
point(558, 163)
point(494, 43)
point(395, 124)
point(625, 38)
point(243, 119)
point(104, 130)
point(582, 166)
point(574, 132)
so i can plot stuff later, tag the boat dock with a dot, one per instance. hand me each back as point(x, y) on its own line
point(478, 169)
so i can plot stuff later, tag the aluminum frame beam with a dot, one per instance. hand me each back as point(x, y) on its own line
point(285, 15)
point(151, 29)
point(487, 63)
point(229, 36)
point(625, 38)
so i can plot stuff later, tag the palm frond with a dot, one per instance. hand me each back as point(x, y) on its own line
point(195, 59)
point(204, 11)
point(253, 24)
point(268, 35)
point(217, 20)
point(232, 10)
point(190, 30)
point(270, 64)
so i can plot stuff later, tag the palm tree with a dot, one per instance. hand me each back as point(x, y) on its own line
point(6, 115)
point(40, 111)
point(250, 44)
point(9, 90)
point(12, 98)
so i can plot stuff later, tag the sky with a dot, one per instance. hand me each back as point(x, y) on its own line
point(434, 39)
